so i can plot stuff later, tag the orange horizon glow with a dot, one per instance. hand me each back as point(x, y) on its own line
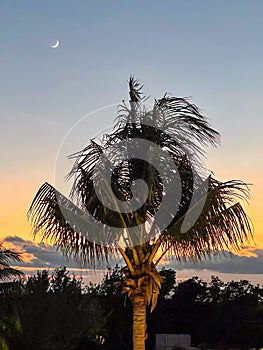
point(18, 193)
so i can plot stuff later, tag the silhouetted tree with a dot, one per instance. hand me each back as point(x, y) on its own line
point(180, 131)
point(8, 257)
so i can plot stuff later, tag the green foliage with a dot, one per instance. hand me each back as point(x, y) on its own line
point(38, 283)
point(168, 284)
point(217, 314)
point(10, 323)
point(54, 313)
point(57, 312)
point(110, 285)
point(3, 344)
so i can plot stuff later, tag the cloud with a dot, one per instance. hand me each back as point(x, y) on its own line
point(41, 255)
point(38, 255)
point(14, 239)
point(225, 262)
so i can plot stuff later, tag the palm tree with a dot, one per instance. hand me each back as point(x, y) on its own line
point(10, 321)
point(7, 257)
point(99, 221)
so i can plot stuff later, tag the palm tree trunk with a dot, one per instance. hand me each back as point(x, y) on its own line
point(139, 322)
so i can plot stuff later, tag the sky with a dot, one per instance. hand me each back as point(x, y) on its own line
point(209, 50)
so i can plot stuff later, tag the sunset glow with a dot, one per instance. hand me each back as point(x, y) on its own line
point(211, 52)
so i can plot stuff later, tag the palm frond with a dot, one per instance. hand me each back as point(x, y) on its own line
point(8, 273)
point(8, 256)
point(222, 224)
point(184, 119)
point(135, 90)
point(64, 224)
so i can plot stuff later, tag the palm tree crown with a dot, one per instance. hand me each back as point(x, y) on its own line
point(7, 257)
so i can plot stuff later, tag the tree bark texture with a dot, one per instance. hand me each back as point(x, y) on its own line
point(139, 322)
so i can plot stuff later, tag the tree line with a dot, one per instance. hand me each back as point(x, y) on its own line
point(55, 310)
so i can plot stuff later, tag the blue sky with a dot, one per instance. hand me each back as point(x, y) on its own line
point(210, 50)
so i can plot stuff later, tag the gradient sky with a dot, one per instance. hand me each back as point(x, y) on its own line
point(210, 50)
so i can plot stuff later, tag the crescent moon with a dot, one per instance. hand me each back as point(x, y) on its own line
point(56, 45)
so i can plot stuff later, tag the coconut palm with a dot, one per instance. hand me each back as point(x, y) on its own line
point(98, 221)
point(8, 257)
point(10, 321)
